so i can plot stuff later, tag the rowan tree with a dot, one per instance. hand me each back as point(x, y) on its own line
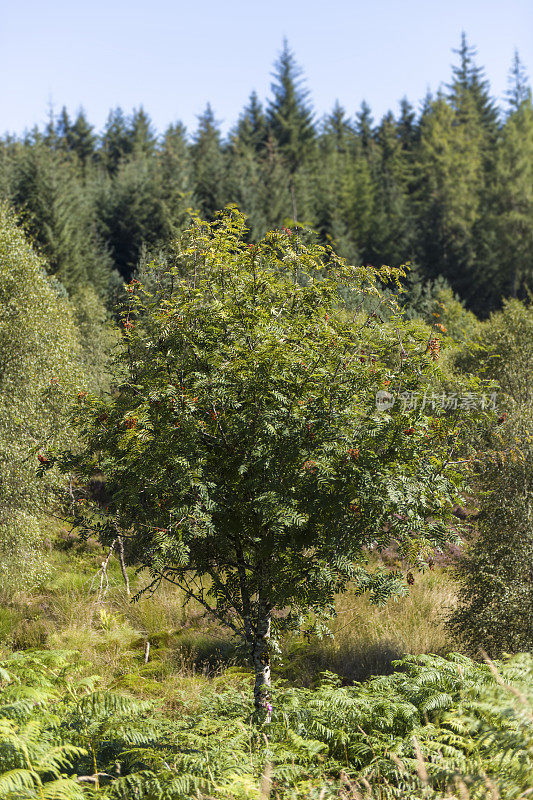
point(244, 458)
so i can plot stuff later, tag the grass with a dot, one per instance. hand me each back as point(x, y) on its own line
point(188, 653)
point(368, 638)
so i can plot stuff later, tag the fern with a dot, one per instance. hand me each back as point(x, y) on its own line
point(61, 738)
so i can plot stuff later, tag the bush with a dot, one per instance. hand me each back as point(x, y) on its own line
point(38, 368)
point(496, 600)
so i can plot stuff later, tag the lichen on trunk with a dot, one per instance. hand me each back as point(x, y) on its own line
point(261, 663)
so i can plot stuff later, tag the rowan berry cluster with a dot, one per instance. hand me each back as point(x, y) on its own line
point(434, 348)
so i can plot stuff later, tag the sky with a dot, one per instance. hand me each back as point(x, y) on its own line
point(172, 57)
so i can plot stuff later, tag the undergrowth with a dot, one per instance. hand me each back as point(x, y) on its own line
point(438, 727)
point(75, 608)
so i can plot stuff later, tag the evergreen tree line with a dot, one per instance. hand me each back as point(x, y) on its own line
point(449, 189)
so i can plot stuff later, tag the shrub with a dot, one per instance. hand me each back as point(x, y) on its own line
point(38, 369)
point(496, 573)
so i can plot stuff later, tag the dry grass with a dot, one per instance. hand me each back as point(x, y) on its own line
point(414, 624)
point(187, 651)
point(368, 638)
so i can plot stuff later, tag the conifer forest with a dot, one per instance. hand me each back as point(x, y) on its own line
point(266, 450)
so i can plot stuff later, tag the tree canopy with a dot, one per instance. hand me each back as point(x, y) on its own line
point(244, 458)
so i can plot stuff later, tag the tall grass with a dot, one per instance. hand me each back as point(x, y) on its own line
point(68, 610)
point(368, 638)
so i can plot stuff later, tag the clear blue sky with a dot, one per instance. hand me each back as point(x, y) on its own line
point(173, 56)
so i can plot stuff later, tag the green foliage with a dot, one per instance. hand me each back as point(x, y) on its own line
point(496, 601)
point(449, 165)
point(99, 337)
point(448, 189)
point(208, 165)
point(47, 187)
point(245, 447)
point(289, 116)
point(434, 725)
point(39, 368)
point(512, 201)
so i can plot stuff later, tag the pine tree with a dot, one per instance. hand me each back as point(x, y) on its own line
point(209, 167)
point(244, 175)
point(393, 226)
point(290, 117)
point(63, 129)
point(469, 80)
point(174, 176)
point(364, 127)
point(338, 131)
point(336, 145)
point(511, 213)
point(449, 183)
point(82, 139)
point(59, 213)
point(358, 201)
point(251, 129)
point(131, 212)
point(250, 164)
point(518, 90)
point(407, 127)
point(141, 134)
point(272, 181)
point(116, 142)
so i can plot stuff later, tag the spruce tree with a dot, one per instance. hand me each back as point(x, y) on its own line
point(249, 155)
point(518, 90)
point(290, 117)
point(59, 213)
point(251, 128)
point(337, 130)
point(273, 179)
point(511, 213)
point(469, 79)
point(82, 139)
point(449, 184)
point(209, 167)
point(131, 212)
point(407, 127)
point(63, 129)
point(336, 145)
point(116, 142)
point(358, 201)
point(174, 176)
point(393, 226)
point(364, 127)
point(141, 134)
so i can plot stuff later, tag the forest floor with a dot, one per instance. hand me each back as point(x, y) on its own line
point(76, 608)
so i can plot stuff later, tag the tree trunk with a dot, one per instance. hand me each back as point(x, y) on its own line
point(261, 663)
point(123, 564)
